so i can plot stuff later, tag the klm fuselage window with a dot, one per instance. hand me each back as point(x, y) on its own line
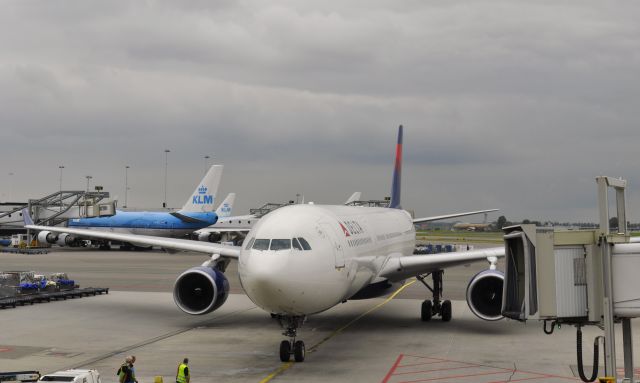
point(280, 244)
point(249, 244)
point(296, 244)
point(304, 243)
point(261, 244)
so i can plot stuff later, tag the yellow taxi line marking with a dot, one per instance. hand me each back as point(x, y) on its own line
point(287, 365)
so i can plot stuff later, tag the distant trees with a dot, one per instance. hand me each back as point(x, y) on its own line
point(501, 222)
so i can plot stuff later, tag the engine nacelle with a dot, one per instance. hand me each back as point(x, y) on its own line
point(66, 239)
point(200, 290)
point(484, 294)
point(47, 237)
point(210, 237)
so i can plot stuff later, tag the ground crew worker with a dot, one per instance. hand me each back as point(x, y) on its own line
point(182, 375)
point(125, 373)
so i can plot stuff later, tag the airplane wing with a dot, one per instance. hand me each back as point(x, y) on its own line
point(447, 216)
point(223, 230)
point(400, 268)
point(167, 243)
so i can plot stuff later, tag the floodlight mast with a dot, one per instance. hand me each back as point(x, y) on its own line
point(606, 239)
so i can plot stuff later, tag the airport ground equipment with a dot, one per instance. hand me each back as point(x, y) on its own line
point(72, 376)
point(19, 376)
point(581, 277)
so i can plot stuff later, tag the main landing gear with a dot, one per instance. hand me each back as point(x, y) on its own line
point(291, 346)
point(435, 307)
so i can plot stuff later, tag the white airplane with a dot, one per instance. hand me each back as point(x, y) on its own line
point(304, 259)
point(235, 228)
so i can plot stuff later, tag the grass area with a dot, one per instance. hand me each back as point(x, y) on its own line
point(459, 236)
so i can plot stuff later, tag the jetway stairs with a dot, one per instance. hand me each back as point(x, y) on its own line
point(59, 207)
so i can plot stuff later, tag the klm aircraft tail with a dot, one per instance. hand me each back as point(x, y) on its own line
point(397, 174)
point(224, 210)
point(204, 196)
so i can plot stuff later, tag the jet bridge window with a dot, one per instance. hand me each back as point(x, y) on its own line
point(280, 244)
point(261, 244)
point(304, 243)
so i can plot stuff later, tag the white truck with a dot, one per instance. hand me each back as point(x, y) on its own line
point(74, 376)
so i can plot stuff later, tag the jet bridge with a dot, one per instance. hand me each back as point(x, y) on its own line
point(267, 208)
point(57, 208)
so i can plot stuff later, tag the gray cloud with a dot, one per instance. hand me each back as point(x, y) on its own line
point(506, 104)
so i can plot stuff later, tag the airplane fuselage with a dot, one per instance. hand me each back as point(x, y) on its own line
point(147, 223)
point(347, 247)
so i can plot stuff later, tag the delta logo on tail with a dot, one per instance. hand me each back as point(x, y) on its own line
point(202, 198)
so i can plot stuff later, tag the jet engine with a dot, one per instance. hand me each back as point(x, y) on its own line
point(484, 294)
point(47, 237)
point(65, 239)
point(200, 290)
point(210, 237)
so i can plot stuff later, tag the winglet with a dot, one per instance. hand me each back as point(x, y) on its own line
point(26, 217)
point(397, 173)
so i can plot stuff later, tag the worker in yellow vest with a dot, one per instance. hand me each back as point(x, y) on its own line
point(182, 375)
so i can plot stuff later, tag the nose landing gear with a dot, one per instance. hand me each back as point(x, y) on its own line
point(436, 306)
point(291, 346)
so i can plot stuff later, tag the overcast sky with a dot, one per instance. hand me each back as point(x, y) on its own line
point(506, 104)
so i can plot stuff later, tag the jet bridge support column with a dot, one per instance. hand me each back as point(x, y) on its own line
point(606, 242)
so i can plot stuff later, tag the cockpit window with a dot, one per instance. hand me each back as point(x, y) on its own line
point(304, 243)
point(261, 244)
point(296, 244)
point(249, 244)
point(280, 244)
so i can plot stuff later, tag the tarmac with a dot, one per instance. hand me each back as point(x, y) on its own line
point(377, 340)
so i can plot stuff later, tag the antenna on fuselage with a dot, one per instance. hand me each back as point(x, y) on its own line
point(397, 174)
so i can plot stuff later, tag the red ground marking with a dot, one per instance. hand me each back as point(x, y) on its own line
point(519, 380)
point(5, 349)
point(439, 369)
point(439, 378)
point(393, 368)
point(392, 372)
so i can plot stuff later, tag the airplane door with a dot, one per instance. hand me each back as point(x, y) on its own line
point(338, 251)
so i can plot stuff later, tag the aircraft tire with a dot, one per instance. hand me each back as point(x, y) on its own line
point(285, 351)
point(445, 311)
point(426, 311)
point(299, 351)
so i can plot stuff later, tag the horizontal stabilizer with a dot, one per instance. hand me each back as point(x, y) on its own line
point(447, 216)
point(187, 219)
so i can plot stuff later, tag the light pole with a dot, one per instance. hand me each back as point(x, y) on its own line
point(126, 184)
point(60, 188)
point(206, 163)
point(166, 154)
point(88, 179)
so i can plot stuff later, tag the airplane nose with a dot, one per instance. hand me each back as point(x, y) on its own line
point(285, 283)
point(264, 279)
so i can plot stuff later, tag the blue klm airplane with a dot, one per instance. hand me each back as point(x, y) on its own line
point(197, 212)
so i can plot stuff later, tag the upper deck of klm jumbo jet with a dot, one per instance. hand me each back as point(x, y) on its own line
point(151, 220)
point(299, 259)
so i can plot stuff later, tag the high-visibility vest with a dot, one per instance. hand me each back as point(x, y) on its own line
point(181, 378)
